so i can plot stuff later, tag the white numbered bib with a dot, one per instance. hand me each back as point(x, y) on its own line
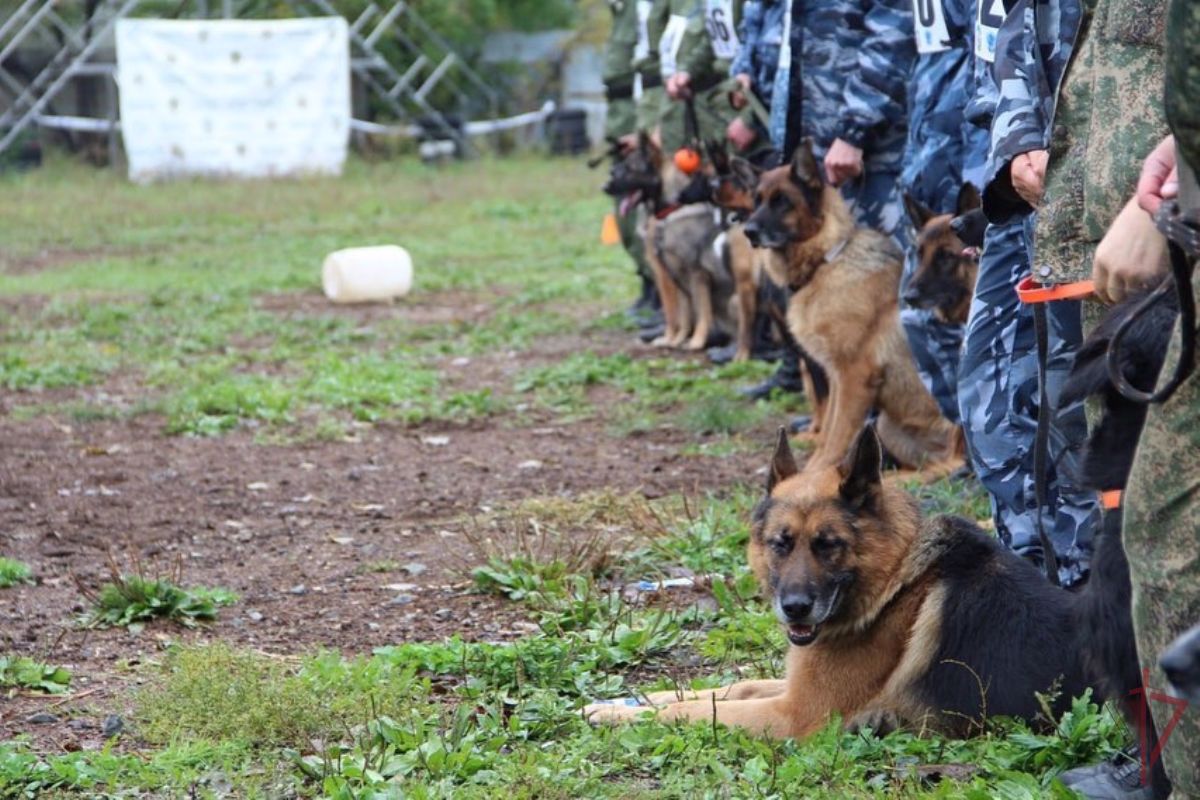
point(929, 22)
point(718, 19)
point(987, 28)
point(641, 50)
point(668, 45)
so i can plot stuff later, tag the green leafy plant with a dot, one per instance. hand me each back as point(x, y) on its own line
point(13, 572)
point(25, 673)
point(132, 599)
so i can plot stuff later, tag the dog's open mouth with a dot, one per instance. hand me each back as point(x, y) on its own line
point(801, 635)
point(630, 200)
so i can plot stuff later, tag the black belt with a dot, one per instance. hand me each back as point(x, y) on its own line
point(621, 89)
point(651, 80)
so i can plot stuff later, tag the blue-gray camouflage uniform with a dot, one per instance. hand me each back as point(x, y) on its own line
point(851, 61)
point(998, 381)
point(938, 149)
point(761, 35)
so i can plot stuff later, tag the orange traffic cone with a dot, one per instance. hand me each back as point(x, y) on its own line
point(609, 233)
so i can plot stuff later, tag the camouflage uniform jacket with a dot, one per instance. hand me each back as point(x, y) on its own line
point(760, 38)
point(939, 141)
point(1098, 119)
point(618, 68)
point(850, 75)
point(1183, 78)
point(698, 37)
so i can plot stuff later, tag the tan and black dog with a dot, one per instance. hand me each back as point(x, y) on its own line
point(844, 311)
point(689, 259)
point(891, 620)
point(944, 280)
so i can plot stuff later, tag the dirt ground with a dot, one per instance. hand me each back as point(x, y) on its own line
point(292, 528)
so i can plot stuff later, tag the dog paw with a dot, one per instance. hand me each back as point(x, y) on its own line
point(613, 712)
point(661, 341)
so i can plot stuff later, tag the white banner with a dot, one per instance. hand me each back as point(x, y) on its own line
point(244, 98)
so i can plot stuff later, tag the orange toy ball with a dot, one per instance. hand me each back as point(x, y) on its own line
point(687, 159)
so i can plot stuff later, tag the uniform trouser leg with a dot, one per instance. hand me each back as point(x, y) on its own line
point(631, 229)
point(876, 202)
point(935, 347)
point(1162, 540)
point(998, 397)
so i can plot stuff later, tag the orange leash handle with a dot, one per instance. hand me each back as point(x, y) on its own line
point(1030, 291)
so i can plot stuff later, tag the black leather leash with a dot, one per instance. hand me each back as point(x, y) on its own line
point(1183, 245)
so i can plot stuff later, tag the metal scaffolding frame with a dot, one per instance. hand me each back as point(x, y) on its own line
point(400, 78)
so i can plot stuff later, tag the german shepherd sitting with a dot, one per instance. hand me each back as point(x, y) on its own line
point(890, 620)
point(689, 261)
point(944, 280)
point(844, 312)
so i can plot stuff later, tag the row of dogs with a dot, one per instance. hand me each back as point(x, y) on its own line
point(893, 619)
point(791, 229)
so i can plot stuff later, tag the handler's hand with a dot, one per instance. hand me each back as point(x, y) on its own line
point(1160, 178)
point(741, 134)
point(1131, 257)
point(1029, 175)
point(628, 143)
point(843, 162)
point(679, 86)
point(737, 96)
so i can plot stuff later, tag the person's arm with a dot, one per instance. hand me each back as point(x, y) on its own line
point(749, 31)
point(876, 94)
point(1019, 120)
point(1132, 256)
point(696, 57)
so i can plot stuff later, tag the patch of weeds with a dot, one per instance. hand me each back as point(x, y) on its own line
point(130, 600)
point(18, 672)
point(13, 572)
point(587, 534)
point(719, 413)
point(720, 447)
point(216, 694)
point(957, 496)
point(212, 408)
point(17, 374)
point(380, 566)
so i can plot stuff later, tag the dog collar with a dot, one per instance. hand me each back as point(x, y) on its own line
point(1111, 500)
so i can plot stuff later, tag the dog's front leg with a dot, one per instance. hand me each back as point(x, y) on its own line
point(742, 690)
point(776, 717)
point(850, 400)
point(702, 310)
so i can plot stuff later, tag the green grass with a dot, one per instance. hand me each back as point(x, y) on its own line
point(455, 719)
point(13, 572)
point(198, 302)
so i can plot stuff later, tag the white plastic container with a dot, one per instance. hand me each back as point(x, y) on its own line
point(364, 274)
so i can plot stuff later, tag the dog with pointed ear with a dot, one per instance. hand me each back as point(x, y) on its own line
point(807, 174)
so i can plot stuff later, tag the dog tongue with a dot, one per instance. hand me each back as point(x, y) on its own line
point(629, 201)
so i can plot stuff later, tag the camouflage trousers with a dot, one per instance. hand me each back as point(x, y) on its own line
point(1162, 539)
point(632, 226)
point(874, 199)
point(935, 346)
point(998, 402)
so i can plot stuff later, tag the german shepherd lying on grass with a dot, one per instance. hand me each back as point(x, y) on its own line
point(890, 620)
point(844, 312)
